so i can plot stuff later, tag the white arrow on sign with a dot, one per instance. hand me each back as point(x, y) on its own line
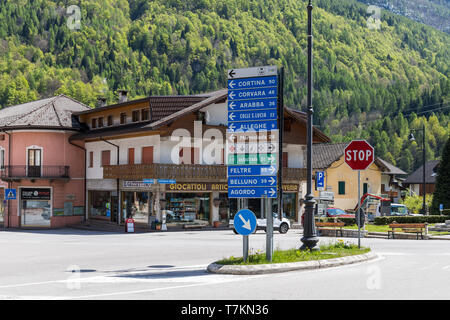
point(231, 84)
point(231, 127)
point(246, 223)
point(272, 169)
point(272, 192)
point(231, 105)
point(231, 95)
point(271, 158)
point(231, 116)
point(272, 180)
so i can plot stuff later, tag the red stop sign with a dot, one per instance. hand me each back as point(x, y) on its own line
point(359, 155)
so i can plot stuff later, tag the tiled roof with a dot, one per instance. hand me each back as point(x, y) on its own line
point(55, 112)
point(161, 107)
point(391, 169)
point(430, 173)
point(324, 154)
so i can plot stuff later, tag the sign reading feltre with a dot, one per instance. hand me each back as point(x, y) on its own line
point(359, 155)
point(252, 108)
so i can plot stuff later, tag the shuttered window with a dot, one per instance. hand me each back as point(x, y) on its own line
point(106, 158)
point(341, 189)
point(147, 155)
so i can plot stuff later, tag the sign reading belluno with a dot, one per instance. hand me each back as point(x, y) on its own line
point(252, 107)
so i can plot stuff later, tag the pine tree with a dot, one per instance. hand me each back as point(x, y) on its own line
point(442, 192)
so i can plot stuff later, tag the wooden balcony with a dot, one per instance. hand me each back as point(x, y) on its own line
point(185, 172)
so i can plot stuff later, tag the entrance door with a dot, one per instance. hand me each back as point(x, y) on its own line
point(35, 213)
point(34, 163)
point(114, 201)
point(2, 206)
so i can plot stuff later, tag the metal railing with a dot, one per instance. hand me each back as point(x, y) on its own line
point(34, 172)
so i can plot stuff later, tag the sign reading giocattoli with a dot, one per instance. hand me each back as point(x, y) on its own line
point(359, 154)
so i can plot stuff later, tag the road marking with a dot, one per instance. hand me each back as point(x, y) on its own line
point(446, 267)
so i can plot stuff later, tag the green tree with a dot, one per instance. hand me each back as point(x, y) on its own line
point(442, 191)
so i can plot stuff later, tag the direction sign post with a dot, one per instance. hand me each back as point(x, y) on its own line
point(359, 155)
point(253, 108)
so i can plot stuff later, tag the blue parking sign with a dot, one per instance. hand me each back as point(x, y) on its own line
point(320, 180)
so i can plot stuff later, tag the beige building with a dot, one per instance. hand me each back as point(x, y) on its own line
point(341, 180)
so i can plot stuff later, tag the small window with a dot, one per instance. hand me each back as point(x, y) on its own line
point(135, 116)
point(145, 114)
point(94, 123)
point(110, 121)
point(100, 122)
point(285, 159)
point(123, 118)
point(91, 159)
point(2, 159)
point(106, 158)
point(341, 189)
point(365, 188)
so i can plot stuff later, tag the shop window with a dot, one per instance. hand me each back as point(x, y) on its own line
point(123, 118)
point(147, 155)
point(94, 123)
point(130, 155)
point(106, 158)
point(188, 207)
point(341, 187)
point(135, 116)
point(145, 114)
point(136, 205)
point(110, 121)
point(100, 122)
point(189, 155)
point(99, 204)
point(91, 159)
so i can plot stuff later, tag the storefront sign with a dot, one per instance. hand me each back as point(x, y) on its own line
point(326, 195)
point(290, 187)
point(197, 187)
point(35, 194)
point(136, 184)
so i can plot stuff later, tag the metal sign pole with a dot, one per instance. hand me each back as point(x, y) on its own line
point(269, 228)
point(244, 238)
point(358, 212)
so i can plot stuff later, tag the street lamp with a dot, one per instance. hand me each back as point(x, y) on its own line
point(309, 238)
point(411, 138)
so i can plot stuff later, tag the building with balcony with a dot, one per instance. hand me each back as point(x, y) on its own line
point(37, 159)
point(166, 154)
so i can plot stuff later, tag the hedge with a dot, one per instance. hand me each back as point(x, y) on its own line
point(347, 221)
point(410, 219)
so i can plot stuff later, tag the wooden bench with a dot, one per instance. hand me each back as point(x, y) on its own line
point(337, 226)
point(416, 228)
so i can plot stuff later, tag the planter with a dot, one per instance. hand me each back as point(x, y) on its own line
point(216, 224)
point(158, 227)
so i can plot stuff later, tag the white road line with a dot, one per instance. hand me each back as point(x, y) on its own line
point(446, 267)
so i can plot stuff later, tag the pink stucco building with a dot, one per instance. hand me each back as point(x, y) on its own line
point(38, 161)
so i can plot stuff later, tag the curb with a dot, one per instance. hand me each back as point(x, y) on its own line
point(291, 266)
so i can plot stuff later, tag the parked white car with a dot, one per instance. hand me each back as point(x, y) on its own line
point(282, 225)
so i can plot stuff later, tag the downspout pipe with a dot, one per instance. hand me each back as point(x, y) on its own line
point(9, 182)
point(85, 175)
point(117, 182)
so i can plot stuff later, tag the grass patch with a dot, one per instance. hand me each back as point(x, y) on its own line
point(370, 228)
point(335, 250)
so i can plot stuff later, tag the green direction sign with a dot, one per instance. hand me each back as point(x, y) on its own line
point(256, 158)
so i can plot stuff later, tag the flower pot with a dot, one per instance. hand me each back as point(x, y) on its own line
point(158, 227)
point(216, 224)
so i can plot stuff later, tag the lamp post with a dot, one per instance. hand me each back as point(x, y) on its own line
point(411, 138)
point(309, 238)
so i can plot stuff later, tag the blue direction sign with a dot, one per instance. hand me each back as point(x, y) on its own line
point(251, 170)
point(10, 194)
point(249, 115)
point(148, 181)
point(250, 83)
point(253, 181)
point(253, 126)
point(245, 94)
point(252, 192)
point(245, 222)
point(255, 104)
point(167, 181)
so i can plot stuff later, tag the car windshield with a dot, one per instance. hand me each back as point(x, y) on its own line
point(399, 210)
point(336, 212)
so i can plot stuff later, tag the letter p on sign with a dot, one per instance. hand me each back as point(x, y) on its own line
point(359, 155)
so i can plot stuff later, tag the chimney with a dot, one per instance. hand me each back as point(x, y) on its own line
point(101, 102)
point(123, 96)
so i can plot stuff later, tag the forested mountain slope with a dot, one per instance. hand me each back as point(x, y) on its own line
point(185, 46)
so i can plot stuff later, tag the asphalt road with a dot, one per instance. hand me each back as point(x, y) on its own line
point(73, 264)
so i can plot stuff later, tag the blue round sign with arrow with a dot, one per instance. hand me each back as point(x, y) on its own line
point(245, 222)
